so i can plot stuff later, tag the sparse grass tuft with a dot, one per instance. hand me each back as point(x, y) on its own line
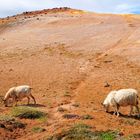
point(67, 94)
point(84, 132)
point(27, 113)
point(87, 117)
point(61, 109)
point(130, 122)
point(38, 129)
point(109, 135)
point(18, 124)
point(77, 132)
point(71, 116)
point(129, 137)
point(10, 123)
point(6, 118)
point(134, 136)
point(43, 119)
point(76, 105)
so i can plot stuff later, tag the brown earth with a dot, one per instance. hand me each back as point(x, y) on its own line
point(67, 56)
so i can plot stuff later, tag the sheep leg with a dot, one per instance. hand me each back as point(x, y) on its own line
point(28, 100)
point(33, 98)
point(117, 110)
point(131, 110)
point(137, 110)
point(14, 101)
point(114, 112)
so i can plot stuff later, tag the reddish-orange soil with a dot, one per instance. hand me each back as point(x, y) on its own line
point(67, 56)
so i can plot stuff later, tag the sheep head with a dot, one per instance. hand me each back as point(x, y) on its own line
point(3, 101)
point(106, 106)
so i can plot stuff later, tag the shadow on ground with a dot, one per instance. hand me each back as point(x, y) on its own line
point(34, 105)
point(137, 117)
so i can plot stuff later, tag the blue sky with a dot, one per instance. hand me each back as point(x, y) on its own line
point(11, 7)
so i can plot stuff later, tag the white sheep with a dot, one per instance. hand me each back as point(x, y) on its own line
point(18, 93)
point(122, 97)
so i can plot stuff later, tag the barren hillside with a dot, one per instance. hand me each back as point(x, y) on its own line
point(68, 56)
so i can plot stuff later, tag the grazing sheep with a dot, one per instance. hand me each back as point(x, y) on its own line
point(18, 93)
point(122, 97)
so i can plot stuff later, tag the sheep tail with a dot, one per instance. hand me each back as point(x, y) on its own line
point(31, 88)
point(137, 98)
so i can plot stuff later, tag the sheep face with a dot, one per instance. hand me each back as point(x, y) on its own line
point(5, 103)
point(106, 107)
point(109, 100)
point(106, 104)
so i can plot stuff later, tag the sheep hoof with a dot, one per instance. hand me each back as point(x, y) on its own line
point(118, 114)
point(114, 113)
